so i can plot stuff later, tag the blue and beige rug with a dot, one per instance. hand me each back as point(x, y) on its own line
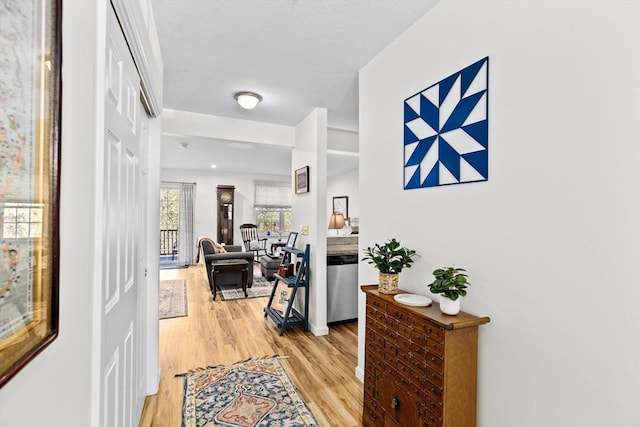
point(256, 392)
point(172, 298)
point(260, 288)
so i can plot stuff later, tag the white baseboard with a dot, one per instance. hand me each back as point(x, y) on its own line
point(319, 331)
point(360, 373)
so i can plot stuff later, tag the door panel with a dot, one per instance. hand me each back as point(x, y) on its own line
point(121, 206)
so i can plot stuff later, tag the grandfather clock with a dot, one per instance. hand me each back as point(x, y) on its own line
point(225, 214)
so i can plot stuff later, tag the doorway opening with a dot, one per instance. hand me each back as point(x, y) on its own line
point(169, 225)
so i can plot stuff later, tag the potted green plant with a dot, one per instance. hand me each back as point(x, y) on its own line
point(451, 283)
point(389, 258)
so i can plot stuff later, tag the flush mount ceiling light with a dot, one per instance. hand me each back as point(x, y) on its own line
point(248, 100)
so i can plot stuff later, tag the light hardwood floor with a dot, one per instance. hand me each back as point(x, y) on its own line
point(223, 332)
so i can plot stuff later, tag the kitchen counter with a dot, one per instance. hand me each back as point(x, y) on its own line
point(342, 245)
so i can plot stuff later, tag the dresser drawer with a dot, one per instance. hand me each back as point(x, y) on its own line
point(429, 330)
point(377, 315)
point(435, 361)
point(434, 376)
point(433, 391)
point(435, 347)
point(417, 336)
point(404, 370)
point(416, 362)
point(373, 337)
point(373, 355)
point(370, 383)
point(434, 406)
point(404, 331)
point(403, 344)
point(377, 303)
point(373, 324)
point(428, 419)
point(404, 357)
point(419, 351)
point(372, 413)
point(390, 351)
point(399, 314)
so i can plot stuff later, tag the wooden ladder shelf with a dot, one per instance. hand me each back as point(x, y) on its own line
point(280, 306)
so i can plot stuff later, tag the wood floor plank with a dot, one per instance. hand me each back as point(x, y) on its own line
point(223, 332)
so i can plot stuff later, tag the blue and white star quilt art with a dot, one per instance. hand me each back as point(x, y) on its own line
point(446, 130)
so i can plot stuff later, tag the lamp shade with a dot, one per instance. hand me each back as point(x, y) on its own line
point(248, 100)
point(336, 222)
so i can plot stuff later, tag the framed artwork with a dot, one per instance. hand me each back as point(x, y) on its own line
point(302, 180)
point(341, 205)
point(281, 297)
point(291, 240)
point(446, 138)
point(29, 180)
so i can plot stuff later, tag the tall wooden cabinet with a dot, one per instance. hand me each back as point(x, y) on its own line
point(225, 213)
point(420, 365)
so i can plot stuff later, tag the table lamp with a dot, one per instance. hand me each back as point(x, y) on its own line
point(336, 222)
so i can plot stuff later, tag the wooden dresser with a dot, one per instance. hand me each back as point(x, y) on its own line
point(420, 365)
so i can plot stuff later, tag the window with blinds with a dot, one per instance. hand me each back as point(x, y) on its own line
point(272, 203)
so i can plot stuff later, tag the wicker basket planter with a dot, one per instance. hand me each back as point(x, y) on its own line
point(388, 283)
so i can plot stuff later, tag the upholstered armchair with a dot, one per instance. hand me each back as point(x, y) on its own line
point(212, 254)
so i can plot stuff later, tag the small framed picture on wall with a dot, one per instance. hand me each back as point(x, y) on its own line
point(302, 180)
point(341, 206)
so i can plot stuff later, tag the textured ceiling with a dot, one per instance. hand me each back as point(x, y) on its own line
point(298, 54)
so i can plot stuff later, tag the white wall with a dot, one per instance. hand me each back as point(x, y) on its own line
point(345, 184)
point(205, 213)
point(342, 140)
point(551, 241)
point(58, 387)
point(311, 150)
point(58, 381)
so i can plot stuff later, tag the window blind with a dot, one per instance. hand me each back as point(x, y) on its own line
point(272, 194)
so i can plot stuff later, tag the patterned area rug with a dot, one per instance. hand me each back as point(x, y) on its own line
point(172, 298)
point(256, 392)
point(261, 288)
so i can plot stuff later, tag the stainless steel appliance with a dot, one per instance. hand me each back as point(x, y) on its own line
point(342, 287)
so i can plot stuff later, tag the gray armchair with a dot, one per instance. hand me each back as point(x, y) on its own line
point(233, 252)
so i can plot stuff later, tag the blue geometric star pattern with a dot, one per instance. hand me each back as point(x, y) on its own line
point(446, 130)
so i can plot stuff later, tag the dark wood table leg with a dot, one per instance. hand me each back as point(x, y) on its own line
point(214, 273)
point(244, 281)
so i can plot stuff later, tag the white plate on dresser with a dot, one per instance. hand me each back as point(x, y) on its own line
point(413, 299)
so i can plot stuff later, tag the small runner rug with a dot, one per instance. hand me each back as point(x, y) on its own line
point(261, 288)
point(172, 298)
point(256, 392)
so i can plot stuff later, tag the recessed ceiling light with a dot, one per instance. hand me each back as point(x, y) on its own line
point(213, 166)
point(248, 100)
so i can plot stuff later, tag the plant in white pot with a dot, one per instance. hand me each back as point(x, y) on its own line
point(389, 258)
point(451, 283)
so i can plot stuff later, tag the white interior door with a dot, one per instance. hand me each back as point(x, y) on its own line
point(122, 311)
point(142, 282)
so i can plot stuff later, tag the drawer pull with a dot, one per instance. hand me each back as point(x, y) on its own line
point(395, 402)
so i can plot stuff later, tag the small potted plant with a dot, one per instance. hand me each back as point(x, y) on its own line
point(389, 258)
point(451, 283)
